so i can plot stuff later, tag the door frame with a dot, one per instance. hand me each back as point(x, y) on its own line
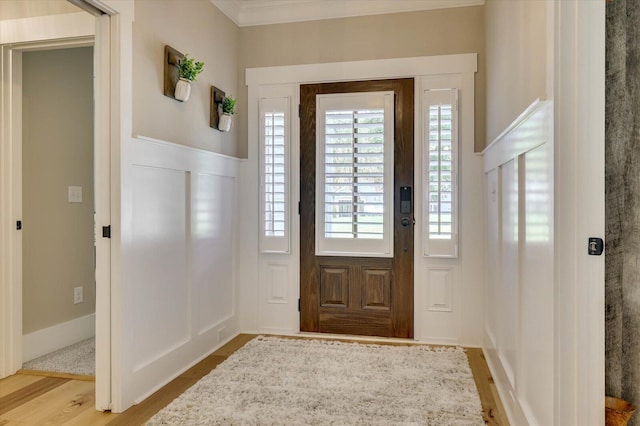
point(282, 316)
point(12, 56)
point(106, 34)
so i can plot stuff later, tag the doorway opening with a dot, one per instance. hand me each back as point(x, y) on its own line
point(85, 31)
point(58, 250)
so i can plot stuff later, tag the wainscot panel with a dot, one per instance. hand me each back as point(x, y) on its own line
point(519, 335)
point(178, 283)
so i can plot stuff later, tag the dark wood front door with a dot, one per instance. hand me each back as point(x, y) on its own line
point(358, 295)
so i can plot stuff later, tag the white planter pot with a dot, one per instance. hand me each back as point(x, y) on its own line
point(183, 90)
point(224, 124)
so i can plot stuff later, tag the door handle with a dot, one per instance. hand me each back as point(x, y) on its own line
point(405, 221)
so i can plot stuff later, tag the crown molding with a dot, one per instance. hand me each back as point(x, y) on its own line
point(263, 12)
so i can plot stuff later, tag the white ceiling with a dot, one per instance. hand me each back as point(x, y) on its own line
point(260, 12)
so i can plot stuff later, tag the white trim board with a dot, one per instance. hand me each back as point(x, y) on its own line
point(182, 154)
point(364, 70)
point(56, 337)
point(579, 120)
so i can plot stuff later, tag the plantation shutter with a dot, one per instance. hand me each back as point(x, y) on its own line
point(354, 167)
point(274, 176)
point(440, 172)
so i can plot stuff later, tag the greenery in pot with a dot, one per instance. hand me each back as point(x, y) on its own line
point(229, 105)
point(189, 68)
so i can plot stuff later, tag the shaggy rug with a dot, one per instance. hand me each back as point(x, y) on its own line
point(79, 358)
point(276, 381)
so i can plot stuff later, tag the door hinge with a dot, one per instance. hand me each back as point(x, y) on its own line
point(298, 305)
point(299, 110)
point(19, 225)
point(106, 231)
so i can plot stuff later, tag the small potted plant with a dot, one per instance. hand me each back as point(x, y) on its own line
point(228, 106)
point(188, 69)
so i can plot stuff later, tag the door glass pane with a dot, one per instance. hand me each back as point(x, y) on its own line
point(354, 174)
point(274, 174)
point(440, 188)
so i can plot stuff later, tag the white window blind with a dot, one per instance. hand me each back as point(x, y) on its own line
point(440, 172)
point(354, 174)
point(274, 152)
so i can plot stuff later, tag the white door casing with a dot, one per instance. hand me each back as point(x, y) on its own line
point(266, 305)
point(112, 47)
point(578, 67)
point(11, 282)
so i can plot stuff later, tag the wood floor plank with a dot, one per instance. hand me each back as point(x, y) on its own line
point(142, 412)
point(203, 368)
point(13, 383)
point(31, 391)
point(492, 410)
point(56, 406)
point(57, 374)
point(91, 417)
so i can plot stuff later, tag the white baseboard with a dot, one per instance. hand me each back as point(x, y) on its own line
point(50, 339)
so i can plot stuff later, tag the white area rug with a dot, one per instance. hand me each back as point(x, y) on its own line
point(79, 358)
point(275, 381)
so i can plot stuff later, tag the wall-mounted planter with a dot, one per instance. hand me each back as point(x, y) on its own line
point(218, 119)
point(179, 71)
point(224, 125)
point(183, 90)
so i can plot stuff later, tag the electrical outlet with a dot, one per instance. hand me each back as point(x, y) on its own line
point(77, 295)
point(75, 194)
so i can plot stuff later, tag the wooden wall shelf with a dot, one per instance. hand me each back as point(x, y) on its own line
point(217, 96)
point(171, 75)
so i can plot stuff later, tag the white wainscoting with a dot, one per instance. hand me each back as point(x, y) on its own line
point(440, 293)
point(178, 291)
point(519, 296)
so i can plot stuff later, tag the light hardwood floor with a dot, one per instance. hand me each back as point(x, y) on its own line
point(29, 399)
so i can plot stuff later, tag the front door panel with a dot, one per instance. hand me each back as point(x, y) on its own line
point(357, 294)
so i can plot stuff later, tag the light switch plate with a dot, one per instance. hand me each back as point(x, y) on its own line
point(75, 194)
point(78, 297)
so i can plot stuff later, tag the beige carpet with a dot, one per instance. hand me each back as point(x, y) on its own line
point(79, 358)
point(274, 381)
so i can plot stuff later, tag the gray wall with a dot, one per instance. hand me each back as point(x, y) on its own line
point(18, 9)
point(399, 35)
point(622, 174)
point(198, 28)
point(516, 36)
point(57, 153)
